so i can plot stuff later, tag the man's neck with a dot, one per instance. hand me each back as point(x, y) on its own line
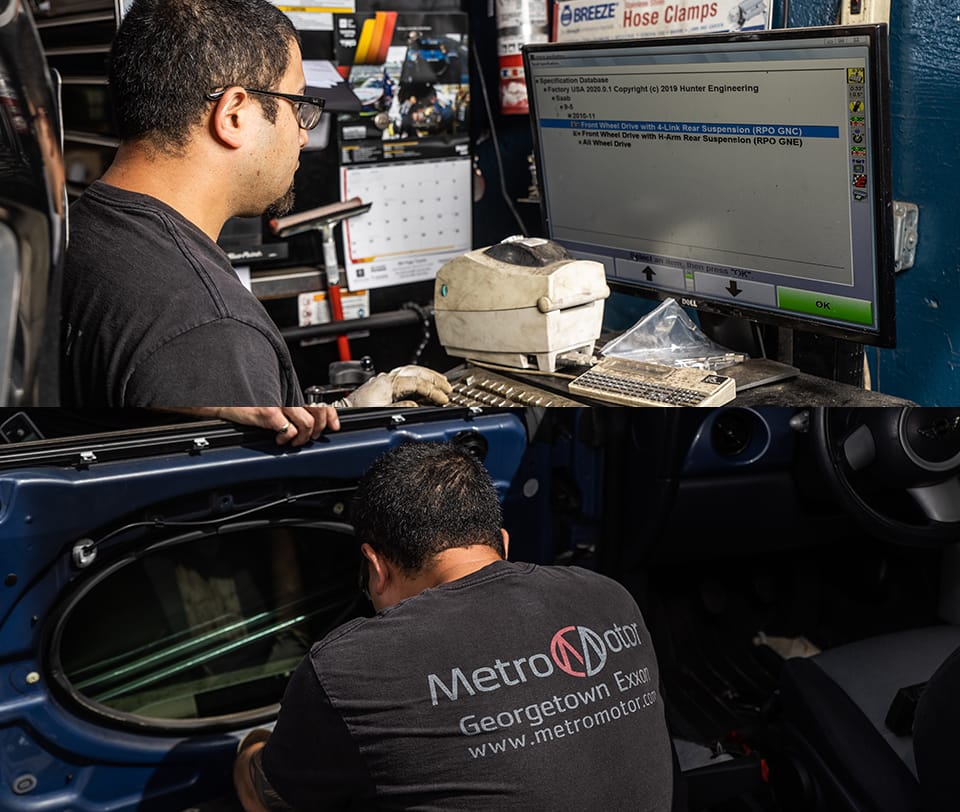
point(193, 192)
point(389, 583)
point(458, 562)
point(449, 565)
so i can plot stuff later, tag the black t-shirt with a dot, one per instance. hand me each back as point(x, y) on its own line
point(155, 315)
point(518, 686)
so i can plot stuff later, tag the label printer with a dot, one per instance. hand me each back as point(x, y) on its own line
point(519, 303)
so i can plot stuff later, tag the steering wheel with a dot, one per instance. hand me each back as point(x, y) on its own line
point(896, 468)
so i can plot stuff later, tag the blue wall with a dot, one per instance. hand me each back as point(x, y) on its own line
point(924, 95)
point(925, 78)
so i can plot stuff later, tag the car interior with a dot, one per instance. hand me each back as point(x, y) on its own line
point(796, 568)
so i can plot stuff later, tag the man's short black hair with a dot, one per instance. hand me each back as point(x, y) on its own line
point(167, 54)
point(420, 498)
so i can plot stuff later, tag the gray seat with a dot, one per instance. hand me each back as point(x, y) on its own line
point(839, 753)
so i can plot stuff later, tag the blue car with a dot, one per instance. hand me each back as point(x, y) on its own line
point(161, 583)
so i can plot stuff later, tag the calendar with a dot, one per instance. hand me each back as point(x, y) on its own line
point(420, 217)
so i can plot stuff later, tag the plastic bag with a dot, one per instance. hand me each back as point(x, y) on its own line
point(666, 335)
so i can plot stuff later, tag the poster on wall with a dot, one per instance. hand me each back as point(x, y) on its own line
point(575, 20)
point(313, 17)
point(411, 73)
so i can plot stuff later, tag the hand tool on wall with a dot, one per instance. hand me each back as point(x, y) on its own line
point(324, 219)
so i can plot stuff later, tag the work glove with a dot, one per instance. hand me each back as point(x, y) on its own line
point(397, 387)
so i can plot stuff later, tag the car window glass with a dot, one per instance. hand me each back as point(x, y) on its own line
point(211, 625)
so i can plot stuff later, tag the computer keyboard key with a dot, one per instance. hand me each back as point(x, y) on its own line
point(489, 389)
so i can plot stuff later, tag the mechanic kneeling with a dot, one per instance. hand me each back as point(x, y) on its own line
point(479, 683)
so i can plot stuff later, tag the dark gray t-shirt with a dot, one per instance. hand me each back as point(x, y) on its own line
point(518, 686)
point(155, 315)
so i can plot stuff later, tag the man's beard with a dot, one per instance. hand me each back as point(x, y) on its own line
point(281, 205)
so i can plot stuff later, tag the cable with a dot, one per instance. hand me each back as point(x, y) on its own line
point(424, 315)
point(496, 143)
point(159, 523)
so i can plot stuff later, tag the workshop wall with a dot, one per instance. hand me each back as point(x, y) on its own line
point(925, 85)
point(502, 143)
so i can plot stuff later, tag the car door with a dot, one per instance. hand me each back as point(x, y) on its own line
point(161, 584)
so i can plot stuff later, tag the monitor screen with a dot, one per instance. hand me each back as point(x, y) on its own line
point(744, 174)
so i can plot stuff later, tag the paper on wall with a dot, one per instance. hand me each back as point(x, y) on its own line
point(576, 20)
point(420, 217)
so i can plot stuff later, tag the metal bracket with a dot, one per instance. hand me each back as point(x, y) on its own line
point(905, 234)
point(864, 11)
point(84, 553)
point(86, 459)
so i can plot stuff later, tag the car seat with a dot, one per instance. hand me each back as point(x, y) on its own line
point(872, 725)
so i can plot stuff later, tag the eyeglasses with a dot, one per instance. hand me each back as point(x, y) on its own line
point(308, 108)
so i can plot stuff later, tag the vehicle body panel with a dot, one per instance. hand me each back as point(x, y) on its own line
point(55, 753)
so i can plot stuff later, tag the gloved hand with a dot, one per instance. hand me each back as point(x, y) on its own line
point(396, 388)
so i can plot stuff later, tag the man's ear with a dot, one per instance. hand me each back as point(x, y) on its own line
point(506, 542)
point(228, 115)
point(381, 572)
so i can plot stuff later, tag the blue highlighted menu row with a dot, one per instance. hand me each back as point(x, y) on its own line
point(692, 127)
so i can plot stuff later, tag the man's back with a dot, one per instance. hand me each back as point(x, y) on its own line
point(516, 686)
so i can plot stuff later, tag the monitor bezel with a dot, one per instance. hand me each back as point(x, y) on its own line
point(884, 334)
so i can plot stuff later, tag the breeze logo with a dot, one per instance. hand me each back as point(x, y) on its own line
point(597, 11)
point(576, 650)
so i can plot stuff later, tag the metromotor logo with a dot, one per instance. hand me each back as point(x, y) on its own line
point(578, 651)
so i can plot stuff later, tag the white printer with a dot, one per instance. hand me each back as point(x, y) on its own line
point(519, 303)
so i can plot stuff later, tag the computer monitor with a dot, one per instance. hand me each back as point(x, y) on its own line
point(744, 174)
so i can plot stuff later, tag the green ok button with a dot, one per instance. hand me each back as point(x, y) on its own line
point(825, 305)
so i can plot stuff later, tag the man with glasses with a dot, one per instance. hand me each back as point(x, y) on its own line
point(208, 97)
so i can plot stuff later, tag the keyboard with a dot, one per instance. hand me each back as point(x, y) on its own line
point(486, 388)
point(638, 383)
